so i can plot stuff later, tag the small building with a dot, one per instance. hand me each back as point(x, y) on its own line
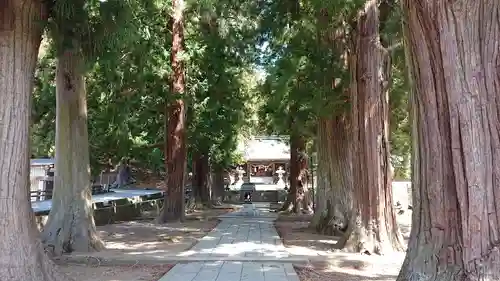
point(38, 174)
point(267, 158)
point(263, 156)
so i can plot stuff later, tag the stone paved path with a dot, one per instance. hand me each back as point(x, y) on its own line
point(244, 246)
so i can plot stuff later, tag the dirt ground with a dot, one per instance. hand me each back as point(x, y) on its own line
point(139, 239)
point(327, 264)
point(116, 273)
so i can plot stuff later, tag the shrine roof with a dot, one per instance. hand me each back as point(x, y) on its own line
point(42, 161)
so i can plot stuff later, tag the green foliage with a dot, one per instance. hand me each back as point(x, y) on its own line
point(221, 81)
point(126, 111)
point(306, 62)
point(252, 67)
point(400, 124)
point(306, 49)
point(128, 83)
point(399, 115)
point(44, 103)
point(125, 94)
point(94, 27)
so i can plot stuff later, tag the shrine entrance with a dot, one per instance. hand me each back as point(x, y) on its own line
point(265, 170)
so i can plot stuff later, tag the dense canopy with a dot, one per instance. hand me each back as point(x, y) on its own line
point(359, 94)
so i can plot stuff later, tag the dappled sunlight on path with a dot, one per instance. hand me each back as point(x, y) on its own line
point(244, 246)
point(239, 237)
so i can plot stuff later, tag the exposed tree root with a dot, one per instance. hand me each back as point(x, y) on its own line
point(368, 240)
point(287, 205)
point(28, 262)
point(332, 226)
point(66, 233)
point(294, 209)
point(331, 221)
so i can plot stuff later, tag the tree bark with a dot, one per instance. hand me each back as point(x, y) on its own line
point(218, 188)
point(70, 225)
point(21, 253)
point(209, 185)
point(334, 205)
point(373, 227)
point(123, 174)
point(298, 197)
point(197, 178)
point(453, 50)
point(201, 179)
point(175, 149)
point(324, 211)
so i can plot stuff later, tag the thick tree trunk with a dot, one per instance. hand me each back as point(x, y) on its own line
point(209, 184)
point(218, 186)
point(454, 57)
point(123, 176)
point(304, 188)
point(334, 205)
point(299, 197)
point(175, 147)
point(21, 253)
point(201, 179)
point(197, 178)
point(70, 225)
point(324, 192)
point(373, 227)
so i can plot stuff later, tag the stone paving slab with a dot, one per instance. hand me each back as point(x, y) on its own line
point(231, 271)
point(255, 210)
point(240, 237)
point(245, 235)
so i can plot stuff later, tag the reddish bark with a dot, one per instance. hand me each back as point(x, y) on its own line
point(334, 187)
point(333, 207)
point(175, 148)
point(453, 50)
point(373, 227)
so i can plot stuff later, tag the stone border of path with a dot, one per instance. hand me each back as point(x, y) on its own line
point(128, 260)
